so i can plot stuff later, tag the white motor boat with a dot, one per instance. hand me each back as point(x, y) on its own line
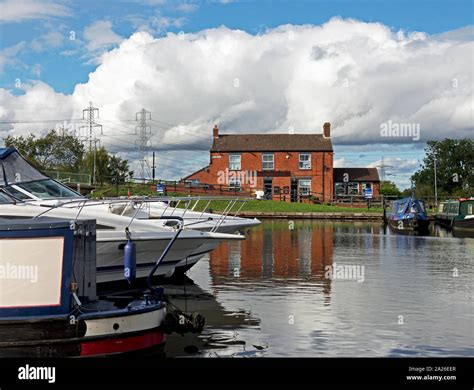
point(112, 237)
point(26, 183)
point(38, 195)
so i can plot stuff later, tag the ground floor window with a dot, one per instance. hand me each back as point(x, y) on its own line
point(347, 188)
point(304, 187)
point(234, 184)
point(353, 189)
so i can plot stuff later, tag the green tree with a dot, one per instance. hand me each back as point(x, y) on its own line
point(102, 172)
point(118, 170)
point(389, 188)
point(454, 168)
point(54, 151)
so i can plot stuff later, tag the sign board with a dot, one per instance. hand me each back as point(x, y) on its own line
point(31, 271)
point(160, 188)
point(368, 194)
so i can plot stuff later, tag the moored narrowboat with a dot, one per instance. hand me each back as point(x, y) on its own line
point(457, 215)
point(48, 301)
point(408, 214)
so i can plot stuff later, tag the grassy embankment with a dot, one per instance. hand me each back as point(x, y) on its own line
point(251, 206)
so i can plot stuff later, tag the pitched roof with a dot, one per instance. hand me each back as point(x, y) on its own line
point(271, 143)
point(196, 172)
point(356, 174)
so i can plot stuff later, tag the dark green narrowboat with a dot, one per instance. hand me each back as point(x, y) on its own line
point(457, 214)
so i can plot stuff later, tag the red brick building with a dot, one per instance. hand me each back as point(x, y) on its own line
point(287, 167)
point(354, 181)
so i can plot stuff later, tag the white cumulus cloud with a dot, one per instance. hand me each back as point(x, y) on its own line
point(14, 11)
point(356, 75)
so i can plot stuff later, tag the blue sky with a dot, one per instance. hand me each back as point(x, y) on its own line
point(63, 72)
point(36, 45)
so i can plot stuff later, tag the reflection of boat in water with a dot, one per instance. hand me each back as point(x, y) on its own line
point(408, 215)
point(458, 216)
point(221, 331)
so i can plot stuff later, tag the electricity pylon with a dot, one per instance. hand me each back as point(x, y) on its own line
point(89, 115)
point(143, 132)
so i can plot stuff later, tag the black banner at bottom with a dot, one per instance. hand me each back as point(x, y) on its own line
point(411, 372)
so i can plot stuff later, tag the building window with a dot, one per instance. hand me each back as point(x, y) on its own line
point(234, 185)
point(305, 187)
point(234, 162)
point(305, 161)
point(268, 162)
point(340, 189)
point(353, 188)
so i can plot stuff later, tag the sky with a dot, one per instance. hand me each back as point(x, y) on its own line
point(370, 68)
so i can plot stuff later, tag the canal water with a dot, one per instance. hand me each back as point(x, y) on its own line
point(322, 289)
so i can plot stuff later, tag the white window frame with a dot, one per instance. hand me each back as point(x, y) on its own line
point(302, 162)
point(272, 162)
point(308, 192)
point(234, 164)
point(353, 188)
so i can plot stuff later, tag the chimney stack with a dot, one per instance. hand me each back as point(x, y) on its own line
point(327, 130)
point(215, 132)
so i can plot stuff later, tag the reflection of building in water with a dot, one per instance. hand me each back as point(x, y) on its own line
point(274, 251)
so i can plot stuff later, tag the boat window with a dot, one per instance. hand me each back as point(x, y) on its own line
point(47, 189)
point(454, 208)
point(17, 194)
point(470, 209)
point(4, 198)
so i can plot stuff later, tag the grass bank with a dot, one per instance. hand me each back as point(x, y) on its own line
point(262, 206)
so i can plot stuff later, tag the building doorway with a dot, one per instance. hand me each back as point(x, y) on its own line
point(267, 187)
point(294, 190)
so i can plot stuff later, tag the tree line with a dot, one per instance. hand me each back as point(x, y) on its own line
point(65, 153)
point(453, 161)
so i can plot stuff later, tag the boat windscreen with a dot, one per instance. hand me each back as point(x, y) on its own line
point(5, 199)
point(45, 189)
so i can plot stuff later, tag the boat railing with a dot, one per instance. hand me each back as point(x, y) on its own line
point(231, 209)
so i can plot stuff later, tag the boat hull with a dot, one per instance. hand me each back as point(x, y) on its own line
point(102, 335)
point(409, 224)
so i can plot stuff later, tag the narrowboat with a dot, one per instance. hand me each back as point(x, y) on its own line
point(457, 215)
point(408, 214)
point(48, 298)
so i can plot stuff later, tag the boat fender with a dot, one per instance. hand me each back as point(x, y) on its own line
point(130, 260)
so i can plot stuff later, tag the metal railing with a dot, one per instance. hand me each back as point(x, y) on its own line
point(136, 205)
point(68, 177)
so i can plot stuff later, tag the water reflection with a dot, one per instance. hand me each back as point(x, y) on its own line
point(270, 295)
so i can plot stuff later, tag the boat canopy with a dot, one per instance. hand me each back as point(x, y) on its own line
point(408, 205)
point(14, 168)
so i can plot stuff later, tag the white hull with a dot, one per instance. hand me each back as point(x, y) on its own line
point(150, 240)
